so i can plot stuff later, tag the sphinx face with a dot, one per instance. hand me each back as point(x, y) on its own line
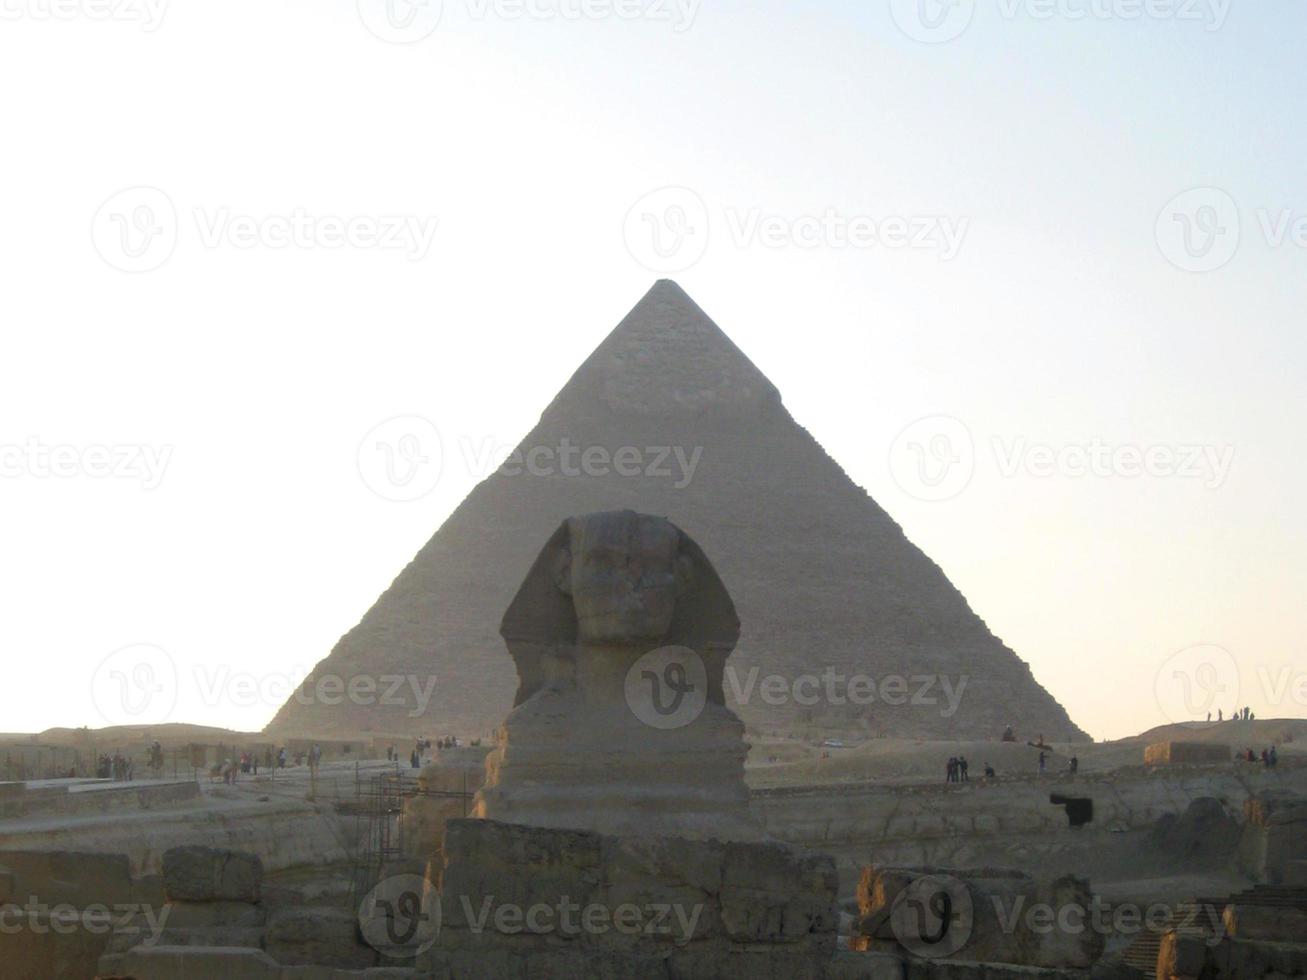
point(625, 575)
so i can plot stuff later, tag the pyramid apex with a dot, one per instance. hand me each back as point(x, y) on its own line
point(668, 358)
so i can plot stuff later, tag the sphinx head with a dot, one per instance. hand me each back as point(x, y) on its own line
point(625, 573)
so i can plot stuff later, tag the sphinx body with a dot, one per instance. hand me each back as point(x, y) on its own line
point(620, 635)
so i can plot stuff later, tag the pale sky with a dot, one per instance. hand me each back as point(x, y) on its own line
point(239, 235)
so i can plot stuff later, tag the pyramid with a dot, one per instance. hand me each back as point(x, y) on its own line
point(824, 581)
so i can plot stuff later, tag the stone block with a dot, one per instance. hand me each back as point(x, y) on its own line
point(1277, 925)
point(646, 898)
point(1295, 874)
point(1186, 753)
point(194, 873)
point(183, 963)
point(202, 915)
point(317, 936)
point(999, 915)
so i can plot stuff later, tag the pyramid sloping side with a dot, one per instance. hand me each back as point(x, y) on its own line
point(823, 579)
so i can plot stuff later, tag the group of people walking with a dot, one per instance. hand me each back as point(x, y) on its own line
point(1240, 714)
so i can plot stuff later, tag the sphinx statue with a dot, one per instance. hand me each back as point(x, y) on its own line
point(620, 635)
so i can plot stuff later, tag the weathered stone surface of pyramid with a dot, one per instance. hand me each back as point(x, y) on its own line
point(823, 579)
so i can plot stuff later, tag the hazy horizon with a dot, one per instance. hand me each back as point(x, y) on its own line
point(1087, 275)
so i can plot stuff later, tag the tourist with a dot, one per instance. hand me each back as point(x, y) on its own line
point(962, 769)
point(281, 758)
point(950, 769)
point(1266, 759)
point(989, 771)
point(1220, 714)
point(1043, 762)
point(1075, 765)
point(1274, 757)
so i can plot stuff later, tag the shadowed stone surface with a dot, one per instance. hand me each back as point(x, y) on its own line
point(598, 739)
point(665, 907)
point(194, 873)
